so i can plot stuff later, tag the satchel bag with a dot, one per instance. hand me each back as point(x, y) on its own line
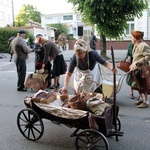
point(145, 71)
point(123, 65)
point(145, 75)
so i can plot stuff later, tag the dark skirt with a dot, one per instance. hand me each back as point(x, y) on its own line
point(59, 66)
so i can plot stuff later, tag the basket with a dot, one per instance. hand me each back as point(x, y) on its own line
point(79, 101)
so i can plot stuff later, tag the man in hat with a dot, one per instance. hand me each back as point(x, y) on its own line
point(21, 51)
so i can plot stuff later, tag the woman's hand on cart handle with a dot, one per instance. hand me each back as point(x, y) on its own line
point(114, 70)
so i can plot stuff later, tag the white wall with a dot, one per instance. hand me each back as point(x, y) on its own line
point(6, 15)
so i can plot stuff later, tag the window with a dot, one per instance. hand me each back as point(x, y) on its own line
point(1, 15)
point(130, 27)
point(69, 17)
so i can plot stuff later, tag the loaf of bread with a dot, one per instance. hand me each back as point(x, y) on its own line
point(43, 97)
point(64, 96)
point(37, 96)
point(49, 97)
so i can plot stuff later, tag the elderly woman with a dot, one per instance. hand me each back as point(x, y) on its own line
point(52, 53)
point(86, 64)
point(141, 57)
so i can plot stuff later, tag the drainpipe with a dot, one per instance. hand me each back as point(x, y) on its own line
point(148, 12)
point(12, 3)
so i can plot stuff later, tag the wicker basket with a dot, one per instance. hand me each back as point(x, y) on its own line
point(79, 101)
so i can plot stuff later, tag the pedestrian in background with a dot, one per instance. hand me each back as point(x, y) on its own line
point(53, 53)
point(93, 41)
point(62, 38)
point(39, 52)
point(21, 51)
point(10, 51)
point(129, 79)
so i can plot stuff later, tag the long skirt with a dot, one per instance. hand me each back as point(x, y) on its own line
point(59, 66)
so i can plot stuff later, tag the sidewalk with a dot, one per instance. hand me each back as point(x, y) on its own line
point(118, 54)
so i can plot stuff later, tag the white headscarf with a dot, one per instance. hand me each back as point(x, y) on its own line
point(81, 45)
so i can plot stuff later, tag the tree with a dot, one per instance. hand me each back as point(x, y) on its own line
point(27, 12)
point(109, 16)
point(61, 28)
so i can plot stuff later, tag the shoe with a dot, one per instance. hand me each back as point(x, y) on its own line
point(138, 102)
point(131, 96)
point(22, 89)
point(143, 105)
point(58, 84)
point(53, 87)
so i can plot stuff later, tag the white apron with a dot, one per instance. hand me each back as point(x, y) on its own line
point(83, 80)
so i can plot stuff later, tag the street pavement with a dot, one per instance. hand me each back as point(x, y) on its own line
point(134, 121)
point(118, 54)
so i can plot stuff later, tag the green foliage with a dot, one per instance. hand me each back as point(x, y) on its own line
point(61, 28)
point(27, 12)
point(6, 33)
point(109, 16)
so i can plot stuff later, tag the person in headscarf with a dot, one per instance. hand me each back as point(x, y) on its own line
point(141, 57)
point(85, 62)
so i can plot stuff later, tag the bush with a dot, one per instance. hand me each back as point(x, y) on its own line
point(6, 33)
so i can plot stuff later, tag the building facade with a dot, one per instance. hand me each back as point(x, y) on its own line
point(73, 20)
point(77, 28)
point(6, 13)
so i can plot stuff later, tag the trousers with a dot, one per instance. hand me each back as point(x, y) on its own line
point(21, 72)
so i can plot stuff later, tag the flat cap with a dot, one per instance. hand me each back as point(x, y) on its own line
point(38, 35)
point(21, 32)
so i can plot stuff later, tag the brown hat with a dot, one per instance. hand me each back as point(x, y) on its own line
point(137, 34)
point(39, 68)
point(38, 65)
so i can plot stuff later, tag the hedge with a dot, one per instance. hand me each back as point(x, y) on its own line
point(6, 33)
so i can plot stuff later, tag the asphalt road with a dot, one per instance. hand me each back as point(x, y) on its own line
point(135, 122)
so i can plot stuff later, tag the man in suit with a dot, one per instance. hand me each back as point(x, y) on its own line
point(21, 51)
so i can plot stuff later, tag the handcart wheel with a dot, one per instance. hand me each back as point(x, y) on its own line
point(30, 124)
point(91, 140)
point(118, 124)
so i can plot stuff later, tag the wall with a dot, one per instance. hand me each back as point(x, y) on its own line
point(122, 45)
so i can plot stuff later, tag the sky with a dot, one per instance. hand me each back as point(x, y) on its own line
point(45, 6)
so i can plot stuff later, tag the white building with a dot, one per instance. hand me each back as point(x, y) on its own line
point(73, 20)
point(77, 28)
point(142, 24)
point(6, 13)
